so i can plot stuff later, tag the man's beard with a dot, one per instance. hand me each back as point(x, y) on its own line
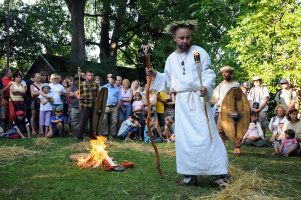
point(228, 78)
point(184, 49)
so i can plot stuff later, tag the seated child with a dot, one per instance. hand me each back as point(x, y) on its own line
point(128, 127)
point(153, 126)
point(278, 134)
point(288, 146)
point(56, 125)
point(254, 135)
point(169, 127)
point(21, 126)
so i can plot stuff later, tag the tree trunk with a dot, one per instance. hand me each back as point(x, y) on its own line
point(77, 8)
point(104, 33)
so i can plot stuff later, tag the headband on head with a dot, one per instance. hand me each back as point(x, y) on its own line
point(171, 28)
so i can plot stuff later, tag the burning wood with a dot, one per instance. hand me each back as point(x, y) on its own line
point(97, 155)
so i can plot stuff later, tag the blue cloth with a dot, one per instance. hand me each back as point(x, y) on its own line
point(127, 113)
point(124, 126)
point(113, 95)
point(146, 137)
point(171, 129)
point(130, 129)
point(57, 105)
point(54, 118)
point(11, 132)
point(1, 83)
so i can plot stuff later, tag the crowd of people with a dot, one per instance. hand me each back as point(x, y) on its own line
point(285, 120)
point(44, 104)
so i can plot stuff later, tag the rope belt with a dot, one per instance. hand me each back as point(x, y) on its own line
point(190, 97)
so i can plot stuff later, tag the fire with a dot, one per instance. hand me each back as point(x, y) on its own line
point(196, 56)
point(97, 155)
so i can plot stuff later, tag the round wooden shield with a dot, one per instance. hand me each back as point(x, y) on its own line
point(99, 110)
point(235, 110)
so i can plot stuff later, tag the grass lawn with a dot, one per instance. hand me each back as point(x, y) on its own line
point(50, 174)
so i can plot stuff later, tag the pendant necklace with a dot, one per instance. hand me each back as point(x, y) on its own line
point(183, 60)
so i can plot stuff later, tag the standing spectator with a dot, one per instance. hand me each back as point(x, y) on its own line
point(142, 89)
point(169, 107)
point(286, 96)
point(108, 77)
point(35, 88)
point(28, 99)
point(83, 75)
point(1, 94)
point(126, 108)
point(68, 83)
point(45, 109)
point(6, 80)
point(137, 107)
point(44, 77)
point(56, 91)
point(258, 100)
point(110, 118)
point(135, 87)
point(17, 93)
point(161, 100)
point(60, 79)
point(20, 71)
point(88, 93)
point(98, 81)
point(75, 112)
point(118, 82)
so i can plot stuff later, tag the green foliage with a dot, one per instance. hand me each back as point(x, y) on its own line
point(267, 42)
point(41, 27)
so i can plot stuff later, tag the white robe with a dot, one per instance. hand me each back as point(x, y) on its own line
point(195, 153)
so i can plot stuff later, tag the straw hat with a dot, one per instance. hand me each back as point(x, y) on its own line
point(227, 68)
point(256, 78)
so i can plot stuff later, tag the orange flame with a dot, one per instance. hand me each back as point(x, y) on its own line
point(196, 56)
point(97, 154)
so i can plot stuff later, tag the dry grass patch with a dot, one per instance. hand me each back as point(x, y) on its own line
point(14, 151)
point(244, 185)
point(78, 146)
point(42, 142)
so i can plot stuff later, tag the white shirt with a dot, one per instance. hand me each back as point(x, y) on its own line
point(54, 90)
point(258, 94)
point(47, 106)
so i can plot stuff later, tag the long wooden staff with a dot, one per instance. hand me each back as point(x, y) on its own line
point(198, 67)
point(149, 79)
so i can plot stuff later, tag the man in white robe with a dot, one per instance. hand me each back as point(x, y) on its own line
point(196, 153)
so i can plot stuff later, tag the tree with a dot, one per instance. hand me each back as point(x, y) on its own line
point(41, 27)
point(77, 8)
point(267, 41)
